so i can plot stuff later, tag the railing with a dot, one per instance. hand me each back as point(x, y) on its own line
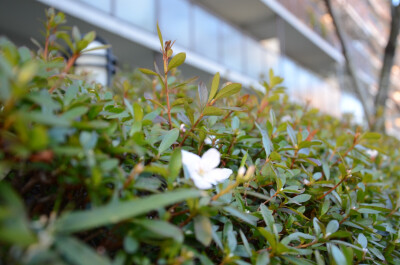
point(201, 32)
point(313, 14)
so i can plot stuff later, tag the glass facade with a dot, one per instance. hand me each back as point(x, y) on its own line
point(138, 12)
point(175, 21)
point(103, 5)
point(206, 34)
point(202, 33)
point(232, 48)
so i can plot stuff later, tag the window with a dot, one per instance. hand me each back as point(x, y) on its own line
point(138, 12)
point(103, 5)
point(232, 51)
point(254, 60)
point(206, 37)
point(175, 21)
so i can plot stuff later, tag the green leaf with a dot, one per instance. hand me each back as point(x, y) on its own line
point(202, 229)
point(148, 71)
point(296, 237)
point(267, 216)
point(90, 36)
point(228, 90)
point(235, 123)
point(269, 236)
point(76, 34)
point(14, 227)
point(362, 240)
point(326, 170)
point(292, 135)
point(160, 37)
point(263, 258)
point(131, 245)
point(79, 253)
point(169, 138)
point(75, 113)
point(101, 47)
point(325, 206)
point(275, 156)
point(47, 119)
point(245, 243)
point(181, 101)
point(70, 94)
point(214, 86)
point(38, 138)
point(332, 227)
point(250, 219)
point(203, 94)
point(337, 255)
point(274, 80)
point(371, 136)
point(120, 211)
point(177, 60)
point(174, 166)
point(138, 111)
point(300, 199)
point(376, 252)
point(162, 228)
point(212, 111)
point(306, 144)
point(88, 140)
point(268, 147)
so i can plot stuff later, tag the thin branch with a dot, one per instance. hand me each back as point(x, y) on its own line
point(384, 78)
point(361, 93)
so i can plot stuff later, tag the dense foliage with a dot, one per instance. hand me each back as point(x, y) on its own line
point(94, 175)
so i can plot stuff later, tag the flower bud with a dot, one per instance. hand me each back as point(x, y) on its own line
point(241, 172)
point(249, 174)
point(182, 128)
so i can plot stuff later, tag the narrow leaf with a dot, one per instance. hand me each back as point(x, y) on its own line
point(162, 228)
point(265, 140)
point(177, 60)
point(214, 86)
point(203, 94)
point(203, 230)
point(229, 90)
point(79, 253)
point(332, 227)
point(116, 212)
point(160, 37)
point(212, 111)
point(168, 139)
point(337, 255)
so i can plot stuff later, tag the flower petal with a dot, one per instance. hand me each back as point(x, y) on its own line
point(218, 175)
point(200, 182)
point(210, 160)
point(191, 161)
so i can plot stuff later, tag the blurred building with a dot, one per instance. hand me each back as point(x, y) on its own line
point(241, 39)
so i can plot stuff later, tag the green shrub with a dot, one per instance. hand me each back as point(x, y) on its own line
point(91, 175)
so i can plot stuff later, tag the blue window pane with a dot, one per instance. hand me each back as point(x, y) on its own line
point(232, 48)
point(175, 21)
point(271, 61)
point(254, 60)
point(138, 12)
point(206, 33)
point(289, 73)
point(104, 5)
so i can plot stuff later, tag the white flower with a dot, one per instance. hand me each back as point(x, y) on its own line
point(203, 171)
point(372, 153)
point(182, 128)
point(286, 118)
point(209, 140)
